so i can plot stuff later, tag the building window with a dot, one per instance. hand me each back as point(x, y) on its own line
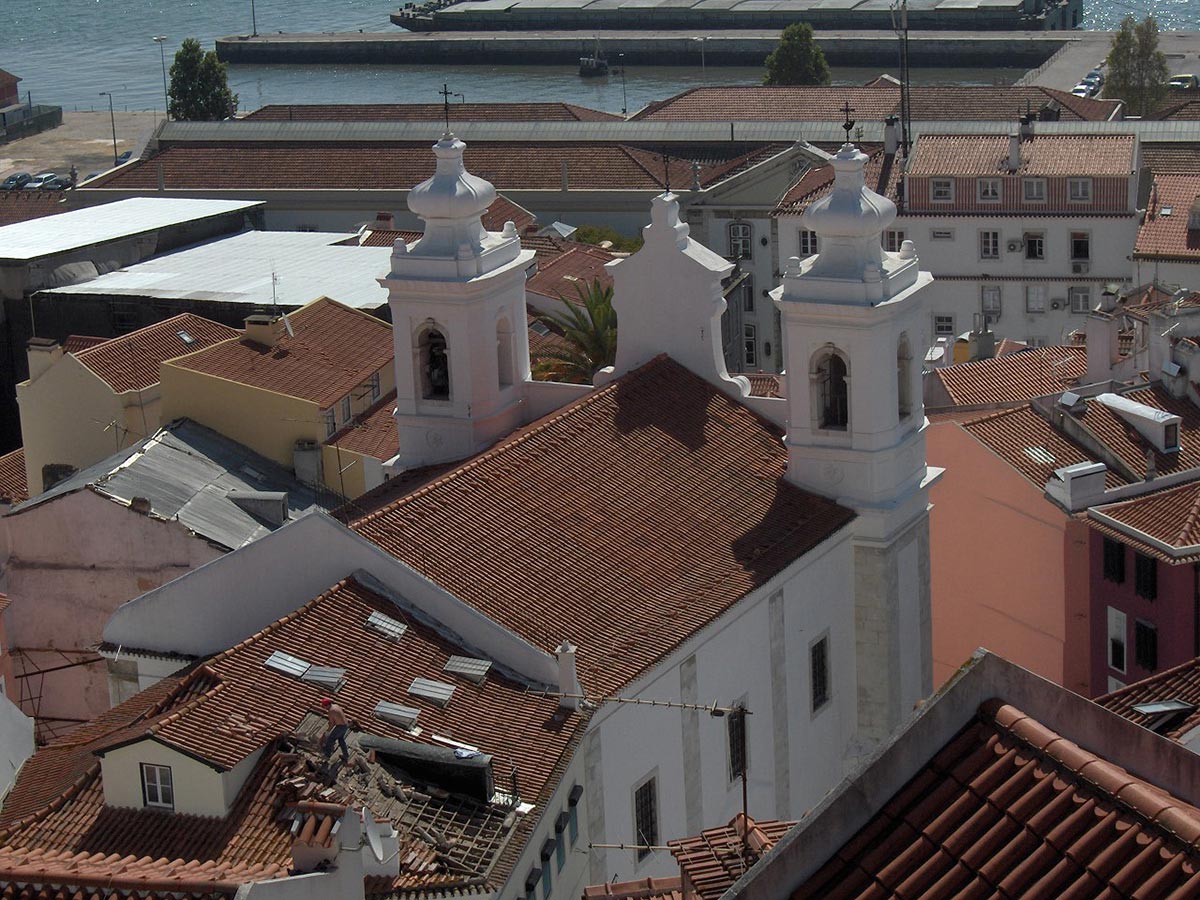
point(987, 190)
point(740, 239)
point(1114, 561)
point(1081, 299)
point(748, 295)
point(989, 245)
point(1034, 190)
point(1035, 298)
point(818, 664)
point(903, 377)
point(893, 239)
point(989, 303)
point(573, 824)
point(834, 392)
point(645, 816)
point(435, 365)
point(1116, 639)
point(736, 735)
point(1035, 341)
point(1035, 245)
point(943, 325)
point(123, 315)
point(941, 190)
point(1145, 645)
point(1081, 245)
point(347, 415)
point(808, 243)
point(1145, 576)
point(330, 423)
point(531, 883)
point(1079, 190)
point(547, 880)
point(750, 346)
point(157, 788)
point(560, 851)
point(504, 352)
point(374, 384)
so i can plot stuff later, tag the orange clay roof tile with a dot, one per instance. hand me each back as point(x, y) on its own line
point(658, 466)
point(1181, 683)
point(429, 112)
point(1014, 377)
point(1168, 236)
point(717, 857)
point(1060, 154)
point(373, 433)
point(14, 488)
point(334, 350)
point(572, 270)
point(131, 362)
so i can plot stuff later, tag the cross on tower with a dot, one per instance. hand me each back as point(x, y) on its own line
point(849, 123)
point(666, 171)
point(446, 95)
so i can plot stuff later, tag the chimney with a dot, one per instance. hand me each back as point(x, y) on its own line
point(1014, 151)
point(1102, 342)
point(695, 175)
point(568, 680)
point(306, 460)
point(384, 221)
point(1027, 127)
point(43, 353)
point(566, 183)
point(891, 136)
point(265, 330)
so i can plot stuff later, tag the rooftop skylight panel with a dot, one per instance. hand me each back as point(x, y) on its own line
point(1163, 706)
point(470, 668)
point(287, 664)
point(185, 337)
point(390, 628)
point(1040, 455)
point(328, 677)
point(435, 691)
point(404, 716)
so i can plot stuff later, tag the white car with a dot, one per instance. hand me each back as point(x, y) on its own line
point(40, 181)
point(1083, 89)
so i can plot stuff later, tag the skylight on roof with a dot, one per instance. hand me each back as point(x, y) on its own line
point(1166, 211)
point(287, 664)
point(1163, 706)
point(539, 328)
point(185, 337)
point(470, 668)
point(434, 691)
point(328, 677)
point(1040, 455)
point(390, 628)
point(404, 716)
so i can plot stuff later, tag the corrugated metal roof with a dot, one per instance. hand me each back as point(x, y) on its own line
point(237, 269)
point(187, 471)
point(106, 222)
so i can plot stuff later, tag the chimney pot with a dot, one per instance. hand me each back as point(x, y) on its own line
point(568, 679)
point(891, 136)
point(265, 330)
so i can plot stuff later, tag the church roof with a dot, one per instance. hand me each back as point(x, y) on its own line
point(653, 504)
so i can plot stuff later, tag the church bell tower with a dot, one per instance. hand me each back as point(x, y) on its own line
point(457, 298)
point(855, 328)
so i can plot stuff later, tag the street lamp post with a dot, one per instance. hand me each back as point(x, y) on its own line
point(112, 117)
point(703, 66)
point(624, 99)
point(160, 40)
point(253, 21)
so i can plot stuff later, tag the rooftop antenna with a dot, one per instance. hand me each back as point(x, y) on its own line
point(901, 30)
point(848, 125)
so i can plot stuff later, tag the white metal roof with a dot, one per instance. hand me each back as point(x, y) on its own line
point(237, 269)
point(93, 225)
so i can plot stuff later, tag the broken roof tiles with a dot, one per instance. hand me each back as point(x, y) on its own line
point(717, 857)
point(131, 362)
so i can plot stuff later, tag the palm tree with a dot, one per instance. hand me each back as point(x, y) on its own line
point(589, 336)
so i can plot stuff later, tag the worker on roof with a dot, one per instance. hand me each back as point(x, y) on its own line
point(335, 729)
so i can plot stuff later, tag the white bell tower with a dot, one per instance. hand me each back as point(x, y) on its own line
point(457, 298)
point(855, 329)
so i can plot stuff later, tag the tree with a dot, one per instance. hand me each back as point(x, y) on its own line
point(199, 89)
point(798, 59)
point(589, 332)
point(1137, 69)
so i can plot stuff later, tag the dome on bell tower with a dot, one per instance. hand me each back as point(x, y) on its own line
point(452, 192)
point(852, 210)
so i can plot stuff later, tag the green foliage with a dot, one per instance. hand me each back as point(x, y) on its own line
point(597, 234)
point(589, 329)
point(798, 58)
point(199, 90)
point(1137, 70)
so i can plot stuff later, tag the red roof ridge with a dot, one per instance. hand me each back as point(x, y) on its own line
point(635, 890)
point(1145, 799)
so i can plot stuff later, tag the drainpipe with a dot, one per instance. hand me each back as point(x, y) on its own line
point(1195, 609)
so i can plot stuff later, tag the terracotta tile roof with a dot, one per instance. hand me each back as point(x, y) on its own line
point(1130, 447)
point(539, 343)
point(430, 112)
point(378, 237)
point(21, 206)
point(588, 486)
point(509, 166)
point(335, 349)
point(131, 362)
point(1030, 445)
point(575, 268)
point(1174, 158)
point(76, 342)
point(5, 602)
point(716, 858)
point(14, 488)
point(223, 710)
point(873, 102)
point(881, 173)
point(501, 211)
point(971, 154)
point(1171, 516)
point(1014, 377)
point(1184, 111)
point(373, 432)
point(1167, 236)
point(1007, 345)
point(1181, 683)
point(1009, 808)
point(669, 888)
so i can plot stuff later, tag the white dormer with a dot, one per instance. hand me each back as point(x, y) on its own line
point(457, 297)
point(1157, 426)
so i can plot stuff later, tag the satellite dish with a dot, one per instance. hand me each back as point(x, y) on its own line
point(374, 838)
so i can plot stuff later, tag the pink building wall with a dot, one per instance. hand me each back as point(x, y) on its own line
point(1173, 613)
point(1009, 567)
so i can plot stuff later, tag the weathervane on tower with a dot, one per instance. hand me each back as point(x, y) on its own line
point(446, 95)
point(849, 123)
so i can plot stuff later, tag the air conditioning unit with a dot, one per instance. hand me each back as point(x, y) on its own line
point(1079, 268)
point(1056, 304)
point(1014, 246)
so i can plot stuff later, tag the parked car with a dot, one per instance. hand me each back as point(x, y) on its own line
point(125, 157)
point(1184, 82)
point(58, 183)
point(38, 182)
point(1095, 79)
point(16, 181)
point(1082, 90)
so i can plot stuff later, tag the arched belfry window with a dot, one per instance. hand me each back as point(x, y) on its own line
point(832, 390)
point(904, 377)
point(435, 365)
point(504, 352)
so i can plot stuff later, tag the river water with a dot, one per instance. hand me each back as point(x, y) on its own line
point(67, 51)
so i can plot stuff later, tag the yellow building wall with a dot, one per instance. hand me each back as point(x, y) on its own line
point(266, 422)
point(65, 418)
